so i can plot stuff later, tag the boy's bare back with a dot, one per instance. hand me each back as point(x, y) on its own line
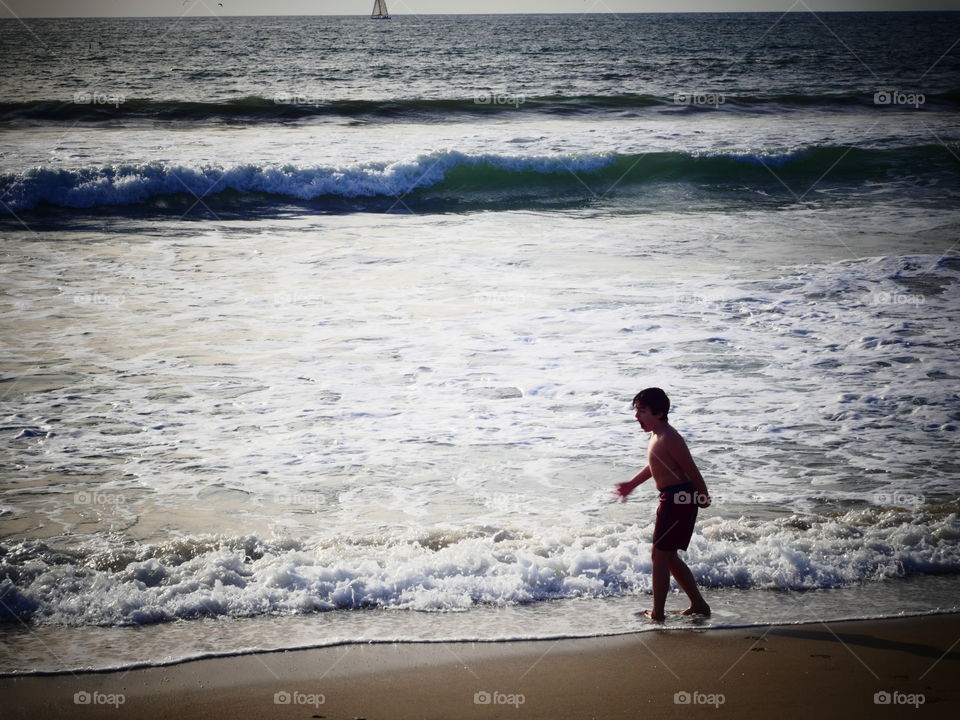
point(670, 461)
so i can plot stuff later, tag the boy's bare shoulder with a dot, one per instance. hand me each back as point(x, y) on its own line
point(672, 435)
point(673, 440)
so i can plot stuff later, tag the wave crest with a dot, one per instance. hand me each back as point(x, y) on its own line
point(475, 179)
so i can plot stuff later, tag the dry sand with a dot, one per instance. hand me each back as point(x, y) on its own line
point(833, 670)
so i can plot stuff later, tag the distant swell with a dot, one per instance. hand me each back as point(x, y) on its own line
point(112, 582)
point(288, 106)
point(473, 179)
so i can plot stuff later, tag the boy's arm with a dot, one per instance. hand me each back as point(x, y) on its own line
point(681, 454)
point(625, 488)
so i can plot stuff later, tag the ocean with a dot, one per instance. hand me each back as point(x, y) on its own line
point(320, 330)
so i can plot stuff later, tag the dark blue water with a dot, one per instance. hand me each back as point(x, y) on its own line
point(799, 58)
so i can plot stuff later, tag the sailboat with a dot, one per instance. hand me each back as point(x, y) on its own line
point(380, 10)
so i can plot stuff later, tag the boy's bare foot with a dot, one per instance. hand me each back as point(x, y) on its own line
point(650, 616)
point(697, 610)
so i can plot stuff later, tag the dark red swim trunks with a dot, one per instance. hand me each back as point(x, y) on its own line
point(676, 515)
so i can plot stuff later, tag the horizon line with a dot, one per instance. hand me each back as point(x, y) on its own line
point(472, 14)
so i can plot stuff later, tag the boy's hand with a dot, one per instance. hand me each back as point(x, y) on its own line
point(621, 490)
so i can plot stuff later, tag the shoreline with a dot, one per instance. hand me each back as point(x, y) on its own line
point(835, 668)
point(689, 627)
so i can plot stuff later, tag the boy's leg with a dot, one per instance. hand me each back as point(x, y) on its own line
point(680, 571)
point(661, 581)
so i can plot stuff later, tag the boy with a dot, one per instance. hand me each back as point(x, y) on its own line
point(682, 491)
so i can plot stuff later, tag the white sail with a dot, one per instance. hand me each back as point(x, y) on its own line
point(380, 10)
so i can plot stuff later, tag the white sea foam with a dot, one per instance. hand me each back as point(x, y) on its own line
point(105, 583)
point(382, 401)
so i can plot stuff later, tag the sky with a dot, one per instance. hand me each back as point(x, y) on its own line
point(150, 8)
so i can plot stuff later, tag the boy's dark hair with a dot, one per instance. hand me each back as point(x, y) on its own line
point(655, 400)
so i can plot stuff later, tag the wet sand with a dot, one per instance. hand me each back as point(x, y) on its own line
point(878, 668)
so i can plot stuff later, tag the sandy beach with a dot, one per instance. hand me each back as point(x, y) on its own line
point(901, 666)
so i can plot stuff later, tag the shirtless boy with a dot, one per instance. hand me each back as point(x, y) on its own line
point(682, 491)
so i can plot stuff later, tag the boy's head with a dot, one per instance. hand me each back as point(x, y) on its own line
point(653, 399)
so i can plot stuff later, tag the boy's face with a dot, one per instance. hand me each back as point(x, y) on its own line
point(646, 418)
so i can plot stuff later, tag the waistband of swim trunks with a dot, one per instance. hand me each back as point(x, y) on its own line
point(673, 489)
